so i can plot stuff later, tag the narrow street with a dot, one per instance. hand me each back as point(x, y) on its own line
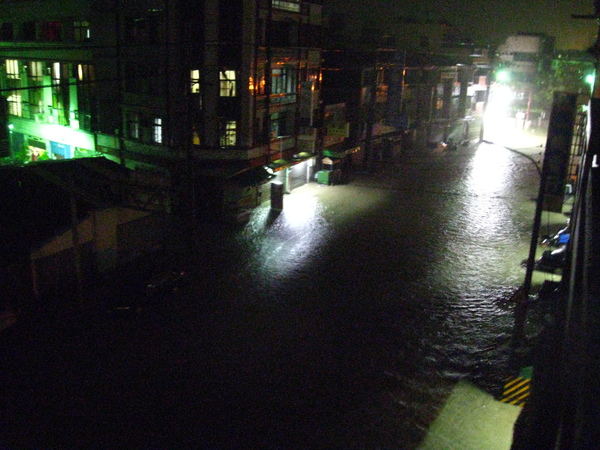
point(345, 320)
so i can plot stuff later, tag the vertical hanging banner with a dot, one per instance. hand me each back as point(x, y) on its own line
point(558, 150)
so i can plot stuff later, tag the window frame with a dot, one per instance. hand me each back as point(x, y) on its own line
point(81, 30)
point(12, 69)
point(228, 133)
point(195, 81)
point(227, 85)
point(15, 103)
point(133, 125)
point(157, 130)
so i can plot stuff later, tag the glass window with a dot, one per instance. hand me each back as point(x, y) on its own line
point(36, 101)
point(81, 30)
point(195, 81)
point(279, 125)
point(36, 70)
point(157, 136)
point(12, 69)
point(85, 94)
point(51, 32)
point(228, 83)
point(284, 80)
point(56, 86)
point(228, 133)
point(133, 125)
point(85, 72)
point(15, 106)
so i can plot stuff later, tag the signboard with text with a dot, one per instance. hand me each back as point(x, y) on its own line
point(558, 151)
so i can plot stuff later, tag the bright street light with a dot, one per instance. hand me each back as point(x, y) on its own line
point(502, 76)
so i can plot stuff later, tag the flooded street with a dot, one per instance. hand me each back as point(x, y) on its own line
point(370, 300)
point(342, 321)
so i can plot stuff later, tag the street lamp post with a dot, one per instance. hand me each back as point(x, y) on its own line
point(488, 83)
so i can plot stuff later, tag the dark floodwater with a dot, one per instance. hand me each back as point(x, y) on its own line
point(343, 321)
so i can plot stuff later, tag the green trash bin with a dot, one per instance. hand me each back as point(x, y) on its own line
point(324, 176)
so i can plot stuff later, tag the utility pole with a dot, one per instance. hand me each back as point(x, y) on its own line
point(120, 87)
point(556, 155)
point(75, 240)
point(488, 83)
point(372, 88)
point(266, 131)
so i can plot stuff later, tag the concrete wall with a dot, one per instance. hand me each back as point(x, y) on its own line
point(105, 239)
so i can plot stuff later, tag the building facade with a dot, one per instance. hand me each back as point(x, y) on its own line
point(189, 99)
point(520, 61)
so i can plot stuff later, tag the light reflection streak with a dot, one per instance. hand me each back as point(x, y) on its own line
point(286, 240)
point(489, 170)
point(489, 177)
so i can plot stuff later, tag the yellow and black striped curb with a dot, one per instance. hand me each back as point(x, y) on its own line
point(517, 389)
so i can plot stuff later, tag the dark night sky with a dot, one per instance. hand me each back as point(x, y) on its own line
point(495, 19)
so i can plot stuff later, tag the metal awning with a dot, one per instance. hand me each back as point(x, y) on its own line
point(239, 174)
point(280, 164)
point(251, 177)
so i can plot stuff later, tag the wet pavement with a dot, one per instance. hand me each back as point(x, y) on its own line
point(345, 320)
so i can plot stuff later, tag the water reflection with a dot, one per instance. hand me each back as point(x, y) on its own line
point(283, 240)
point(488, 179)
point(489, 170)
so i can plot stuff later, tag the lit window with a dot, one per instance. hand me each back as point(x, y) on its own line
point(228, 133)
point(36, 95)
point(36, 70)
point(157, 130)
point(12, 69)
point(85, 72)
point(195, 137)
point(56, 71)
point(57, 88)
point(284, 80)
point(15, 106)
point(228, 81)
point(195, 81)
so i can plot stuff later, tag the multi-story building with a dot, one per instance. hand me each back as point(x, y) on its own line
point(198, 102)
point(520, 61)
point(395, 97)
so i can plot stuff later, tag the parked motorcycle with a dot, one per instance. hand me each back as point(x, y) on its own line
point(552, 260)
point(559, 239)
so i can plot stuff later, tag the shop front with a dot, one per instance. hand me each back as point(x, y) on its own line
point(337, 165)
point(292, 173)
